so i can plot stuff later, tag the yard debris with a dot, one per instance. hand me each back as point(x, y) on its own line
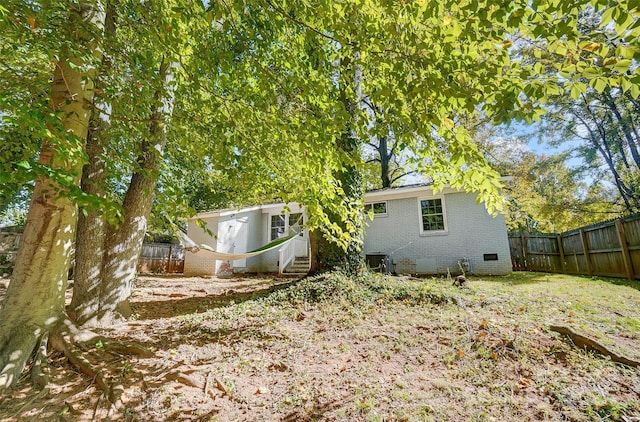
point(461, 281)
point(263, 390)
point(585, 342)
point(185, 379)
point(490, 301)
point(459, 301)
point(220, 386)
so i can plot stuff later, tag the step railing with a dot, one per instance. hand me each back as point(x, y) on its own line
point(286, 254)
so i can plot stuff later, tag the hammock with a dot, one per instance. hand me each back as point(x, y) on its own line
point(207, 251)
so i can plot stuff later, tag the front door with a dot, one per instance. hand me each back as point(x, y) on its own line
point(296, 223)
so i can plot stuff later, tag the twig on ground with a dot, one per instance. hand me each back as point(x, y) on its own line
point(40, 394)
point(590, 344)
point(221, 386)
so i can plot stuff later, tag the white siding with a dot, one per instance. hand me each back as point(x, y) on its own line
point(235, 233)
point(471, 233)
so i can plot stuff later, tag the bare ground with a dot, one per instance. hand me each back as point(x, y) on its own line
point(330, 349)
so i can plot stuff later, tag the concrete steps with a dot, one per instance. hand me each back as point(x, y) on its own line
point(300, 265)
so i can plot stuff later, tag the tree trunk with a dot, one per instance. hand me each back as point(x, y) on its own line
point(329, 255)
point(91, 233)
point(628, 130)
point(34, 302)
point(92, 227)
point(600, 141)
point(385, 161)
point(106, 300)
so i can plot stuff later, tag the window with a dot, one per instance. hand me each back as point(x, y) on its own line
point(379, 208)
point(282, 223)
point(295, 222)
point(277, 226)
point(433, 215)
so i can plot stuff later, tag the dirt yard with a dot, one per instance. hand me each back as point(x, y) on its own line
point(335, 349)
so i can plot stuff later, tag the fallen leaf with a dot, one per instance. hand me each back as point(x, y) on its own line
point(31, 20)
point(262, 390)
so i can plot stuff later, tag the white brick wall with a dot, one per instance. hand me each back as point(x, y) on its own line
point(199, 264)
point(471, 233)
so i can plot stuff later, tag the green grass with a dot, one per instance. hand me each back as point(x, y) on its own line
point(450, 354)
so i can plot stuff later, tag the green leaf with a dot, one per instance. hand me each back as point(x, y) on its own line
point(625, 51)
point(599, 84)
point(622, 65)
point(623, 22)
point(608, 16)
point(577, 88)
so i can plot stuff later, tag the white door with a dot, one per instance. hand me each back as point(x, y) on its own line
point(296, 222)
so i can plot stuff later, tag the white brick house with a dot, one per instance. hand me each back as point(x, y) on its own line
point(419, 232)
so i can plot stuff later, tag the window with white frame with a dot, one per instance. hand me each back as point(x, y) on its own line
point(281, 224)
point(295, 222)
point(378, 208)
point(278, 226)
point(432, 214)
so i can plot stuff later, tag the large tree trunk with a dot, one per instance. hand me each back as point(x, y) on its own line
point(328, 255)
point(34, 302)
point(91, 232)
point(92, 226)
point(103, 298)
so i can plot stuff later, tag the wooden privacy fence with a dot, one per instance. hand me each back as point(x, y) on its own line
point(155, 257)
point(609, 249)
point(161, 258)
point(9, 244)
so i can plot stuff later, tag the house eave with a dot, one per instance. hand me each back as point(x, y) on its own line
point(412, 191)
point(225, 212)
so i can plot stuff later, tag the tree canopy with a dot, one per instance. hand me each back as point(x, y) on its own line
point(264, 96)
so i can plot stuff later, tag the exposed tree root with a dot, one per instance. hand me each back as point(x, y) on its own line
point(590, 344)
point(60, 343)
point(38, 396)
point(127, 349)
point(39, 370)
point(73, 341)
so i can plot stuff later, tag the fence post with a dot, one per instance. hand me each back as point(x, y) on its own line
point(585, 249)
point(561, 251)
point(626, 255)
point(525, 260)
point(169, 259)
